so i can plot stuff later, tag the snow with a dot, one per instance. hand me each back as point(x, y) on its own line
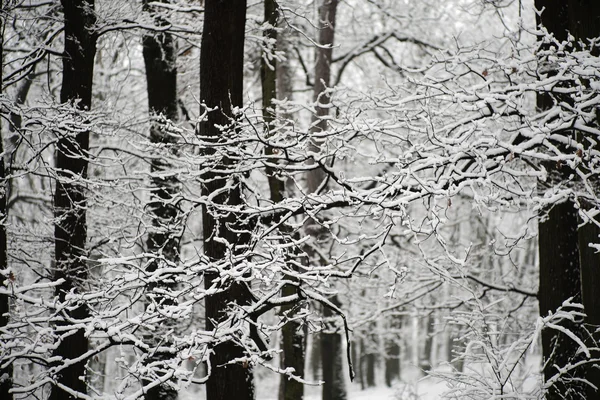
point(418, 388)
point(426, 389)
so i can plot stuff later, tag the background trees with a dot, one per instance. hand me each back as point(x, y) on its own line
point(5, 371)
point(391, 200)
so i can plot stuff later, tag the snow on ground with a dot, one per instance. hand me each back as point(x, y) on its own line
point(424, 389)
point(415, 386)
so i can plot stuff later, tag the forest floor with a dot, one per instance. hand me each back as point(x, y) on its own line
point(425, 389)
point(414, 385)
point(417, 388)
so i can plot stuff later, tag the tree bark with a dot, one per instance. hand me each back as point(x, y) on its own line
point(371, 357)
point(370, 373)
point(392, 358)
point(268, 73)
point(327, 14)
point(70, 200)
point(315, 357)
point(361, 365)
point(392, 363)
point(589, 260)
point(160, 58)
point(221, 85)
point(292, 333)
point(559, 280)
point(426, 356)
point(334, 386)
point(6, 373)
point(567, 265)
point(584, 22)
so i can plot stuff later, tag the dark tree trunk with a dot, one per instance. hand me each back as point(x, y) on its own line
point(69, 200)
point(589, 260)
point(584, 22)
point(221, 85)
point(392, 363)
point(392, 360)
point(557, 241)
point(567, 265)
point(370, 372)
point(6, 373)
point(292, 356)
point(355, 356)
point(327, 13)
point(334, 386)
point(361, 365)
point(559, 280)
point(160, 58)
point(371, 357)
point(292, 333)
point(268, 72)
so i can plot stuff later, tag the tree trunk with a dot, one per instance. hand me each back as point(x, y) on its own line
point(69, 200)
point(221, 85)
point(292, 333)
point(563, 263)
point(355, 354)
point(371, 357)
point(361, 365)
point(160, 58)
point(392, 363)
point(315, 357)
point(584, 22)
point(589, 260)
point(425, 362)
point(334, 386)
point(6, 373)
point(557, 239)
point(559, 280)
point(327, 13)
point(370, 372)
point(392, 358)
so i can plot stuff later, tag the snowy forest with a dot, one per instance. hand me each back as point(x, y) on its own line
point(299, 199)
